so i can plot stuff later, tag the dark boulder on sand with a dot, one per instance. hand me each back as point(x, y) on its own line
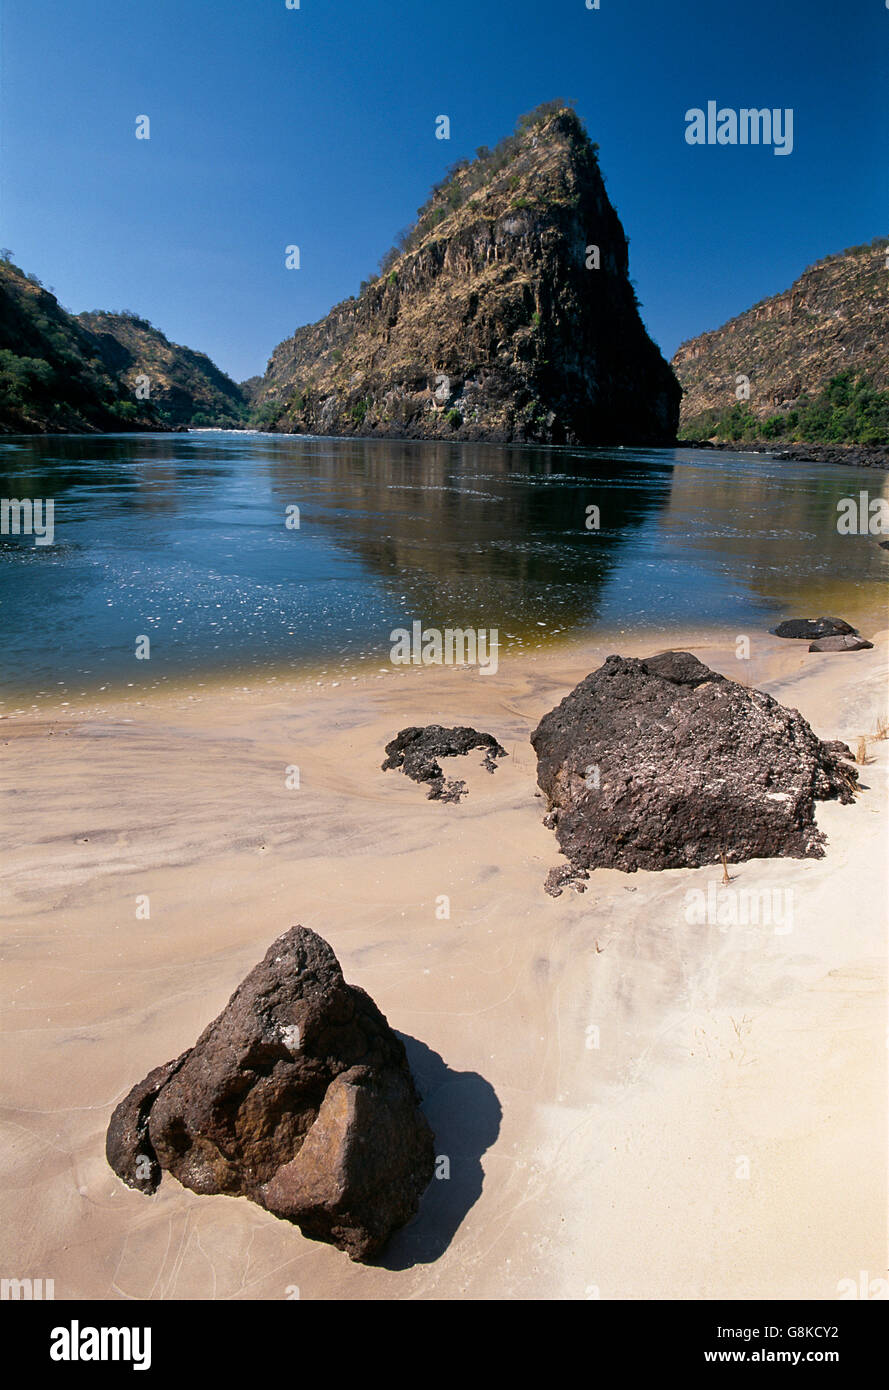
point(298, 1096)
point(662, 764)
point(811, 629)
point(416, 750)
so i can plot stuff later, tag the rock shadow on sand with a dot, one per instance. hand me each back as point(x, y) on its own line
point(464, 1112)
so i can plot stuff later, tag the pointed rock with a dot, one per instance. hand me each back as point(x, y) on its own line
point(507, 313)
point(298, 1096)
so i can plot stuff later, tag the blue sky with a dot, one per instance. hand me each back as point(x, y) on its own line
point(315, 126)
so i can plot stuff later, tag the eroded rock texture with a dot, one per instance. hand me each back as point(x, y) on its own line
point(416, 750)
point(298, 1096)
point(662, 763)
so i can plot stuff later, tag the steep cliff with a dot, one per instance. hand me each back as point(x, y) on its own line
point(185, 387)
point(506, 314)
point(801, 352)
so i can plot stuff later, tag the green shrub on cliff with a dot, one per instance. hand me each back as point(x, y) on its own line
point(264, 416)
point(847, 411)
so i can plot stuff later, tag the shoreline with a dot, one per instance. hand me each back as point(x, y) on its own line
point(324, 674)
point(848, 455)
point(279, 680)
point(573, 1169)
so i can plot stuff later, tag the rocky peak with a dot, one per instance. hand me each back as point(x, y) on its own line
point(504, 313)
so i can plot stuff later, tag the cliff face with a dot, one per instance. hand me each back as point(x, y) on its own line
point(489, 323)
point(834, 319)
point(186, 388)
point(52, 376)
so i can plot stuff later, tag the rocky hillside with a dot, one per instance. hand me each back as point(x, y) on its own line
point(61, 373)
point(52, 373)
point(505, 313)
point(831, 326)
point(185, 387)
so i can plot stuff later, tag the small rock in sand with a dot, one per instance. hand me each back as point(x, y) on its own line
point(415, 751)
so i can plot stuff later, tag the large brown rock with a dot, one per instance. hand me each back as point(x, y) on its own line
point(662, 763)
point(298, 1096)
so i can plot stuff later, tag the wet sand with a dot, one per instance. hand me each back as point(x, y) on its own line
point(633, 1106)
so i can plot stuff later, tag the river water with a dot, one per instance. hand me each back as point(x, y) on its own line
point(184, 539)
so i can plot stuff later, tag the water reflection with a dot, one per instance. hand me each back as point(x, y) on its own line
point(182, 538)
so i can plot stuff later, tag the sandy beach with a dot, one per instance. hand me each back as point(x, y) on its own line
point(633, 1106)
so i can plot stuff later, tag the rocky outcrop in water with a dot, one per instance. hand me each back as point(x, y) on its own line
point(662, 763)
point(506, 313)
point(298, 1096)
point(415, 751)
